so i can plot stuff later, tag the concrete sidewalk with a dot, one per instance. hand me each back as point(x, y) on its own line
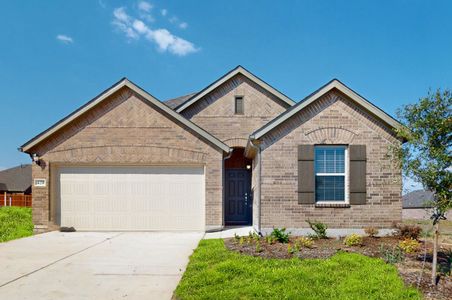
point(95, 265)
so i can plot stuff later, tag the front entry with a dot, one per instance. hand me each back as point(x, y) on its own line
point(238, 198)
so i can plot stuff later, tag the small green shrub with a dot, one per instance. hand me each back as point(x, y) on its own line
point(291, 249)
point(407, 231)
point(253, 236)
point(280, 235)
point(304, 242)
point(241, 240)
point(409, 245)
point(270, 239)
point(371, 231)
point(391, 255)
point(353, 240)
point(258, 247)
point(319, 228)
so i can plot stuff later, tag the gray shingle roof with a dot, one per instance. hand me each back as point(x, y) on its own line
point(175, 102)
point(417, 199)
point(17, 179)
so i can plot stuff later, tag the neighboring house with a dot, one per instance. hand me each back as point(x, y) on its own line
point(417, 205)
point(238, 152)
point(16, 180)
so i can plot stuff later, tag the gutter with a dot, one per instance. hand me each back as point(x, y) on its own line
point(258, 151)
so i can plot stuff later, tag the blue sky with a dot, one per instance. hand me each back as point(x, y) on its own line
point(57, 55)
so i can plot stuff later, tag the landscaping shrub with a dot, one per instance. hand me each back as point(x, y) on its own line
point(15, 222)
point(253, 236)
point(391, 255)
point(270, 239)
point(304, 242)
point(319, 228)
point(408, 231)
point(353, 240)
point(258, 247)
point(371, 231)
point(409, 245)
point(280, 235)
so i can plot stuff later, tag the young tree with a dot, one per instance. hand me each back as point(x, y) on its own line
point(426, 154)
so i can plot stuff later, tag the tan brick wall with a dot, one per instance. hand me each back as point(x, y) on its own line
point(215, 111)
point(333, 119)
point(125, 130)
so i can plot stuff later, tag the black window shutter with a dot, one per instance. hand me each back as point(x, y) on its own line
point(306, 176)
point(358, 160)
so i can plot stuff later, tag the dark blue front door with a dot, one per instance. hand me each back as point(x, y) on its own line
point(238, 197)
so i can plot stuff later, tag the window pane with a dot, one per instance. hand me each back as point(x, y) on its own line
point(330, 159)
point(329, 188)
point(239, 105)
point(319, 160)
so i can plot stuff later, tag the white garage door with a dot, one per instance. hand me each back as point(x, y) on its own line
point(132, 198)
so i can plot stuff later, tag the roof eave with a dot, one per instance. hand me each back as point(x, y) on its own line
point(122, 83)
point(333, 84)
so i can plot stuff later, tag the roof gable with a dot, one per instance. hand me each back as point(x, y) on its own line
point(226, 77)
point(333, 84)
point(175, 102)
point(104, 95)
point(17, 179)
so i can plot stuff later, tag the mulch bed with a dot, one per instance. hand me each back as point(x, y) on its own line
point(410, 269)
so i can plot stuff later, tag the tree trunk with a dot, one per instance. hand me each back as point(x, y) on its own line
point(435, 252)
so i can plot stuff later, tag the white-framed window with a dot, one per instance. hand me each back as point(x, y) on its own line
point(331, 179)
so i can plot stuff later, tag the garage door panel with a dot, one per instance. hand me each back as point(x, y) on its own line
point(132, 198)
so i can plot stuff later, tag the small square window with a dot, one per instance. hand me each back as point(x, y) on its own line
point(239, 106)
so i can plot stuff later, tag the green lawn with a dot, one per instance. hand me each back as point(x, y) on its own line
point(15, 222)
point(217, 273)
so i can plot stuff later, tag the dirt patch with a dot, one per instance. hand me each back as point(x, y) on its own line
point(415, 269)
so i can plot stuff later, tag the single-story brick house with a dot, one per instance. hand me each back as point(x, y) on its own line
point(417, 205)
point(238, 152)
point(16, 180)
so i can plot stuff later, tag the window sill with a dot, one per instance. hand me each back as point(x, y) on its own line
point(332, 205)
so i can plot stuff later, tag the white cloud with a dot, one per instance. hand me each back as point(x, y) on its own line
point(122, 21)
point(64, 39)
point(140, 27)
point(144, 11)
point(175, 20)
point(163, 38)
point(121, 15)
point(164, 12)
point(144, 6)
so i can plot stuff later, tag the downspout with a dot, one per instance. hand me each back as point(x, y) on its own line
point(224, 184)
point(258, 151)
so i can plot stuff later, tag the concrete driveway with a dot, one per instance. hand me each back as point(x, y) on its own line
point(95, 265)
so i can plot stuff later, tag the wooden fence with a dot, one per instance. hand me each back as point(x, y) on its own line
point(15, 200)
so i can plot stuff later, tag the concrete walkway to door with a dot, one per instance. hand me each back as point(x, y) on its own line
point(95, 265)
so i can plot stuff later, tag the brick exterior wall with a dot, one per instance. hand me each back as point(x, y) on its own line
point(215, 111)
point(333, 119)
point(125, 130)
